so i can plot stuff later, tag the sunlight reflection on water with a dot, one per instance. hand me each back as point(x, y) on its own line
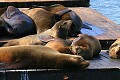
point(109, 8)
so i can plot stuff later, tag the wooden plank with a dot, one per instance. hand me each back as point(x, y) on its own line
point(104, 61)
point(87, 74)
point(29, 3)
point(103, 28)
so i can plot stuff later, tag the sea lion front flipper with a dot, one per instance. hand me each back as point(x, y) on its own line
point(59, 14)
point(46, 39)
point(11, 10)
point(11, 65)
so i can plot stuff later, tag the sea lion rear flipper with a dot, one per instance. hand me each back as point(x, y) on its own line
point(9, 43)
point(85, 25)
point(11, 10)
point(77, 21)
point(37, 6)
point(2, 43)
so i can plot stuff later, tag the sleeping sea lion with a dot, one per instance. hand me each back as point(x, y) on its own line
point(86, 46)
point(114, 50)
point(38, 57)
point(59, 30)
point(18, 23)
point(59, 44)
point(77, 22)
point(44, 18)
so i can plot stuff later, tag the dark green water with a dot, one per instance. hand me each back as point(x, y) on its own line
point(109, 8)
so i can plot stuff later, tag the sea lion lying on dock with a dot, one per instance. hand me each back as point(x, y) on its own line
point(18, 23)
point(59, 30)
point(86, 46)
point(38, 57)
point(114, 50)
point(44, 18)
point(77, 22)
point(59, 44)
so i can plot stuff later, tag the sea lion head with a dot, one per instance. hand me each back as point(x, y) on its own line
point(75, 62)
point(114, 51)
point(61, 28)
point(18, 23)
point(80, 47)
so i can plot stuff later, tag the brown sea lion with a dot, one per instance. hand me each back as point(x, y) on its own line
point(44, 18)
point(59, 30)
point(59, 44)
point(38, 57)
point(77, 22)
point(18, 23)
point(86, 45)
point(114, 50)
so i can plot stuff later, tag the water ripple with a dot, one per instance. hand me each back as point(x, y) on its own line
point(109, 8)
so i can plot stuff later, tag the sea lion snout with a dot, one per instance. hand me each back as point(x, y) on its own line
point(62, 28)
point(75, 49)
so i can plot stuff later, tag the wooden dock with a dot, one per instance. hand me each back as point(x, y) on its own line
point(29, 3)
point(103, 28)
point(101, 67)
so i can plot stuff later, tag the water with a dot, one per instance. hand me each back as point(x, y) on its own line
point(109, 8)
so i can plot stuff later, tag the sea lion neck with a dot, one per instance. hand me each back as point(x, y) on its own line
point(61, 28)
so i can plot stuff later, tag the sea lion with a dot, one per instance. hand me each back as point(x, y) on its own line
point(2, 10)
point(86, 46)
point(18, 23)
point(38, 57)
point(44, 18)
point(3, 26)
point(59, 44)
point(77, 22)
point(114, 50)
point(59, 30)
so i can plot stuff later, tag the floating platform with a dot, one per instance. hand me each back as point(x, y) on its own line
point(101, 67)
point(103, 28)
point(29, 3)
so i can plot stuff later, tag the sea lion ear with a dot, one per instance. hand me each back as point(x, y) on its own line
point(11, 10)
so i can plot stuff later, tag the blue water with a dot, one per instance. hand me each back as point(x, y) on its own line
point(109, 8)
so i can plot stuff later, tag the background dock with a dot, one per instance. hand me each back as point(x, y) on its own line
point(28, 3)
